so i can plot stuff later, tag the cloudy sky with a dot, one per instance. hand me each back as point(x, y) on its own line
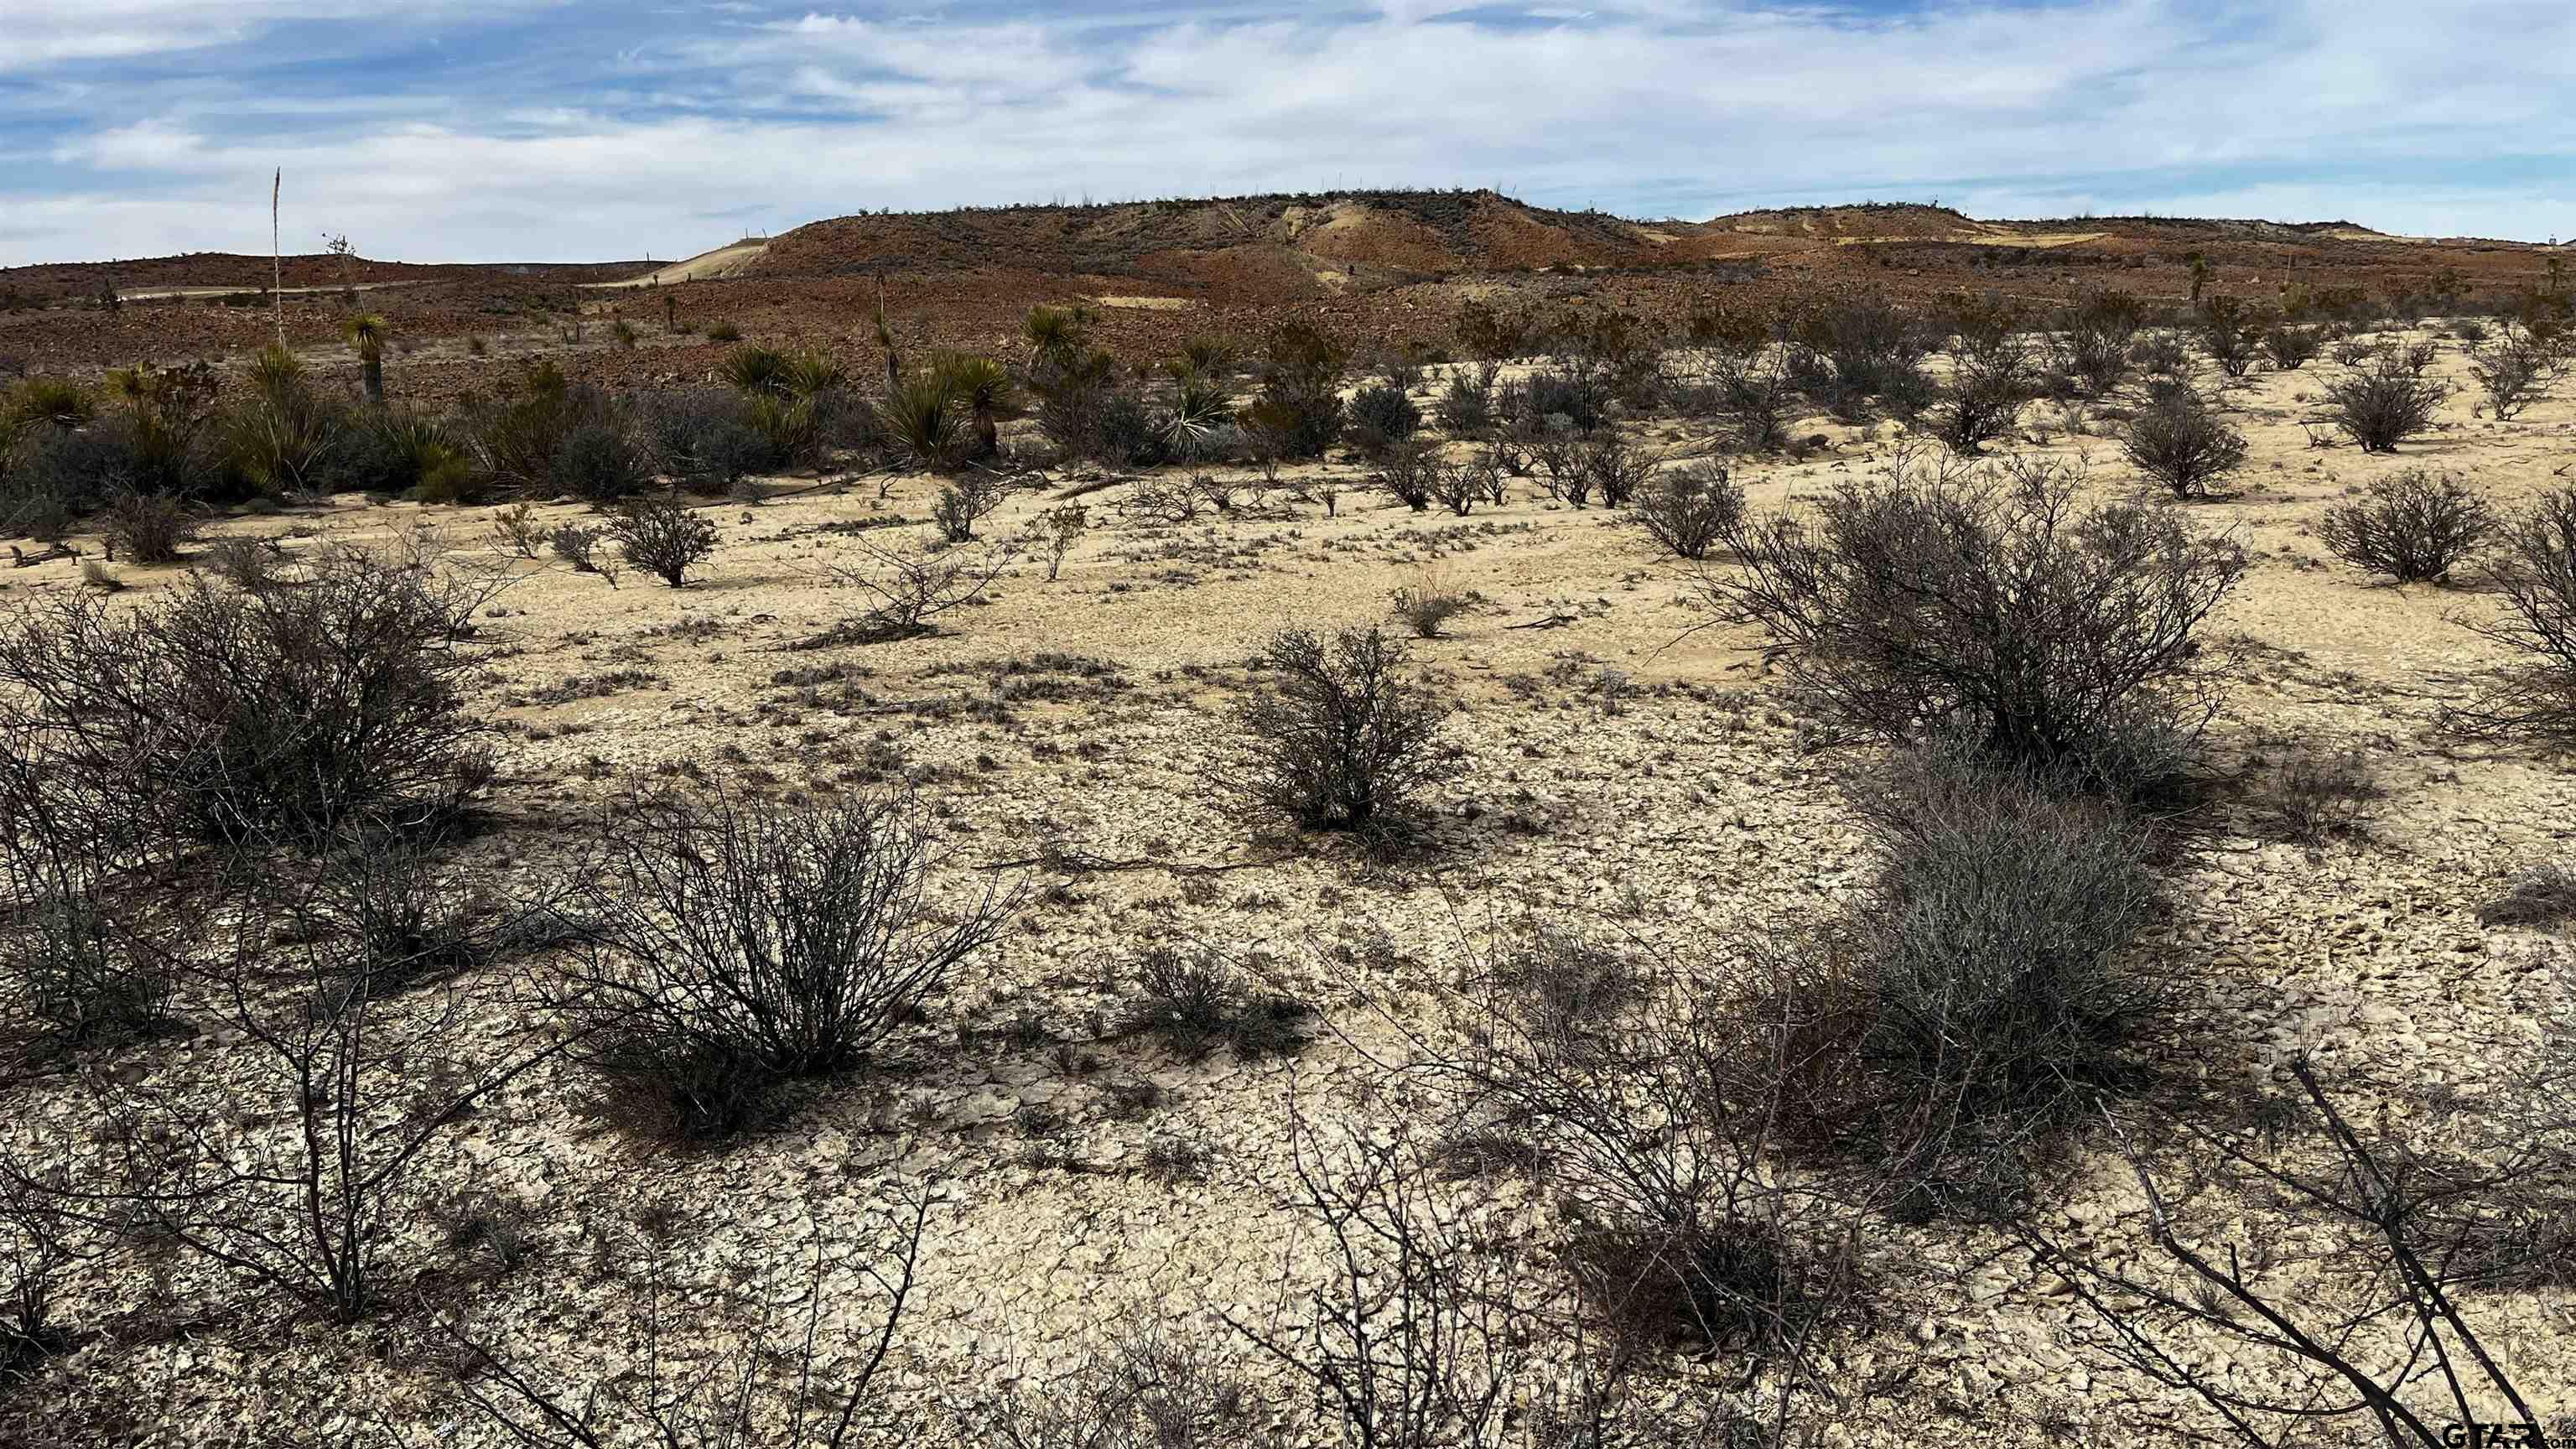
point(546, 130)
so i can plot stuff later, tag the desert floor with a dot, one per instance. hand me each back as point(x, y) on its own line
point(1623, 771)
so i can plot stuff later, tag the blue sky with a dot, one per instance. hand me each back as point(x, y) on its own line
point(544, 130)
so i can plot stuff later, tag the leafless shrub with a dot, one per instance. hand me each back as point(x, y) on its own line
point(964, 503)
point(2290, 346)
point(2229, 333)
point(2514, 371)
point(297, 1184)
point(2534, 570)
point(910, 590)
point(2385, 403)
point(1459, 487)
point(147, 527)
point(1409, 470)
point(740, 1400)
point(211, 715)
point(2413, 527)
point(2310, 796)
point(740, 945)
point(1414, 1334)
point(1337, 738)
point(2382, 1339)
point(1689, 509)
point(1063, 527)
point(1984, 398)
point(663, 536)
point(84, 959)
point(2182, 443)
point(1163, 499)
point(1882, 611)
point(515, 530)
point(1197, 1000)
point(1150, 1388)
point(1617, 468)
point(252, 565)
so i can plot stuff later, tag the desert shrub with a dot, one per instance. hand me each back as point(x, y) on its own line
point(2541, 896)
point(1124, 432)
point(2514, 371)
point(2384, 403)
point(2094, 338)
point(83, 969)
point(516, 436)
point(1409, 471)
point(1467, 402)
point(740, 945)
point(1459, 487)
point(397, 452)
point(577, 545)
point(1558, 452)
point(1196, 1000)
point(723, 331)
point(1689, 509)
point(2230, 332)
point(1616, 467)
point(1578, 398)
point(1427, 604)
point(2291, 347)
point(598, 461)
point(663, 536)
point(1300, 404)
point(2533, 567)
point(1994, 976)
point(1756, 392)
point(212, 715)
point(702, 440)
point(1850, 351)
point(2180, 441)
point(908, 592)
point(2313, 794)
point(2413, 527)
point(2161, 354)
point(1891, 614)
point(962, 504)
point(1984, 397)
point(1336, 737)
point(1380, 417)
point(147, 527)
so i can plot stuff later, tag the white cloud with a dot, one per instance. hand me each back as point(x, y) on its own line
point(2326, 107)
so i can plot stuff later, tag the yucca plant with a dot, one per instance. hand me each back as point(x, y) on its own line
point(979, 387)
point(1056, 332)
point(368, 332)
point(812, 372)
point(1199, 404)
point(279, 440)
point(756, 369)
point(432, 458)
point(923, 421)
point(44, 402)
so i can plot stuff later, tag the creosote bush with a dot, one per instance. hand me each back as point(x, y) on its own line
point(2180, 441)
point(1336, 736)
point(2533, 567)
point(1380, 416)
point(1689, 509)
point(739, 945)
point(1996, 607)
point(1961, 1019)
point(2384, 403)
point(212, 715)
point(2413, 527)
point(664, 537)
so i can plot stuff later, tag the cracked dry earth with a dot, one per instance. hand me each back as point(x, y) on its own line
point(1626, 767)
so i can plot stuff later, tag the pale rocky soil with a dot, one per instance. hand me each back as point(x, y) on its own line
point(1624, 767)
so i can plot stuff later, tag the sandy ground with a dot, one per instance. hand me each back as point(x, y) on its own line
point(724, 261)
point(1624, 766)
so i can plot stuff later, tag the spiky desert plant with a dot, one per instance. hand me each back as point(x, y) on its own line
point(923, 421)
point(979, 387)
point(756, 369)
point(1055, 332)
point(368, 332)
